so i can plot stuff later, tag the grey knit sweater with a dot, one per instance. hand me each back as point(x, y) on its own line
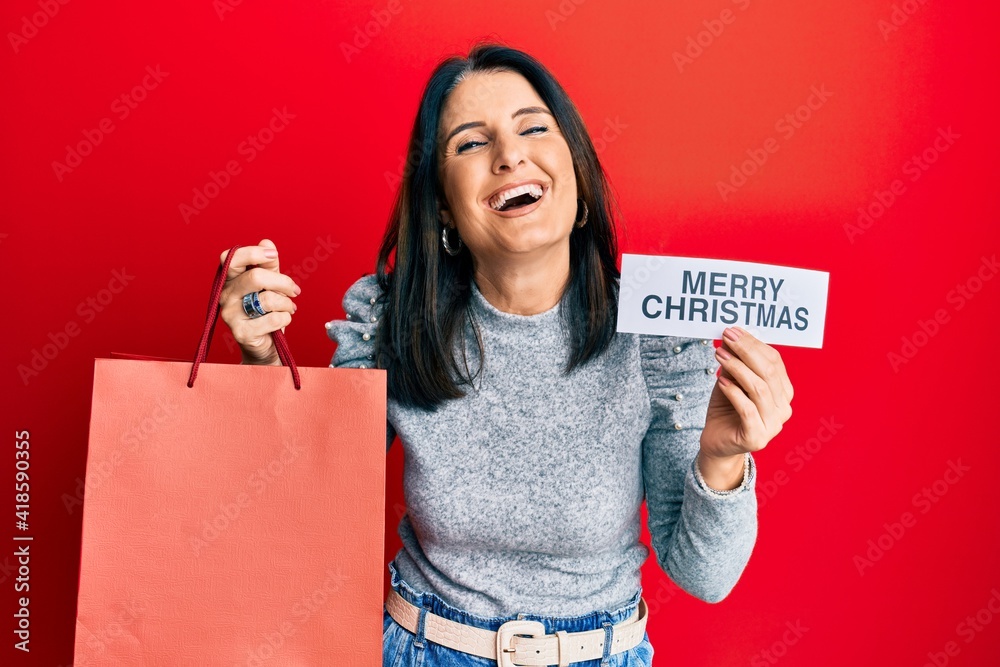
point(524, 495)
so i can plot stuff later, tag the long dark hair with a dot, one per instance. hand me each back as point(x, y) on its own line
point(426, 296)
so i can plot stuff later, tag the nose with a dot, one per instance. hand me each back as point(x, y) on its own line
point(509, 154)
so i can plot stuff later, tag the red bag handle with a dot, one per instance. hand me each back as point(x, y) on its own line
point(280, 344)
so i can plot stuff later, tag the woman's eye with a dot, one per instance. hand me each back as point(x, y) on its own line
point(540, 128)
point(468, 144)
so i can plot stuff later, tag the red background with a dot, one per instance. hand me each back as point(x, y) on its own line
point(327, 176)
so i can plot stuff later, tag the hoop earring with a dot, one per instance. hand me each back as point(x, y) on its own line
point(447, 247)
point(581, 223)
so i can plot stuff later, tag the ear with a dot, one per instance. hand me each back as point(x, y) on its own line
point(446, 217)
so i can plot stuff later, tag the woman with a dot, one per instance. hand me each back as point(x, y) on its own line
point(532, 429)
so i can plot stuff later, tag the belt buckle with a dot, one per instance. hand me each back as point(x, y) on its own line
point(505, 635)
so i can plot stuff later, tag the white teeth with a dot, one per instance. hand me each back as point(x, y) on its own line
point(497, 201)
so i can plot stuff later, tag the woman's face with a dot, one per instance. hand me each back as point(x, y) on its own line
point(496, 132)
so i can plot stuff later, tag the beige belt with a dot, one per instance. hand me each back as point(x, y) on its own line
point(561, 648)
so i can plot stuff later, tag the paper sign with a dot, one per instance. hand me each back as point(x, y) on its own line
point(694, 297)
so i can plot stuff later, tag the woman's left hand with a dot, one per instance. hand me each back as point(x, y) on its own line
point(746, 413)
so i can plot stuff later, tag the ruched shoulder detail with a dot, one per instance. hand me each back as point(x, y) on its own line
point(680, 375)
point(355, 335)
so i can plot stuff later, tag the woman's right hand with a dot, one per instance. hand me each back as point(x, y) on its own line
point(276, 293)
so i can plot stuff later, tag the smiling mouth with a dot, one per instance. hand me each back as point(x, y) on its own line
point(519, 201)
point(518, 197)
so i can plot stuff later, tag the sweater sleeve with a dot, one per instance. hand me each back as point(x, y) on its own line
point(701, 538)
point(355, 335)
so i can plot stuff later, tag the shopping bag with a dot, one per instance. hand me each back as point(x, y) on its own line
point(233, 515)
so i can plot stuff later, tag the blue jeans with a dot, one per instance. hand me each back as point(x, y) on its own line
point(401, 648)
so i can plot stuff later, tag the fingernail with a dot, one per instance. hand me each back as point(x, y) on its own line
point(271, 254)
point(732, 334)
point(722, 354)
point(724, 381)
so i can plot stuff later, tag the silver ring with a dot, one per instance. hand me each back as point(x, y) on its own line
point(251, 305)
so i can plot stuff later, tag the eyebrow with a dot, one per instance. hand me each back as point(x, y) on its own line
point(478, 123)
